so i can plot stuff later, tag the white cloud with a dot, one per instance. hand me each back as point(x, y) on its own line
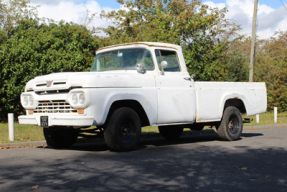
point(269, 20)
point(52, 2)
point(70, 11)
point(213, 5)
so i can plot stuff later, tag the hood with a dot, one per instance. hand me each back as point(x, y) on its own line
point(65, 81)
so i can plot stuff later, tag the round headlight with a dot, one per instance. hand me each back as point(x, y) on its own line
point(31, 101)
point(82, 99)
point(25, 101)
point(75, 99)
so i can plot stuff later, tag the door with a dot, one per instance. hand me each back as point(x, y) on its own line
point(176, 91)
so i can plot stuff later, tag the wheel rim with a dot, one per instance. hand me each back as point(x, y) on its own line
point(233, 125)
point(127, 130)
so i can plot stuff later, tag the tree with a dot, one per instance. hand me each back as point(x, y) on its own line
point(203, 32)
point(12, 11)
point(236, 60)
point(271, 67)
point(35, 49)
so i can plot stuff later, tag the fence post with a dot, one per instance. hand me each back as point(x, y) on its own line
point(275, 114)
point(257, 118)
point(11, 126)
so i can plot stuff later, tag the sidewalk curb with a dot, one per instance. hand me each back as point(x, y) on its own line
point(148, 135)
point(271, 126)
point(24, 144)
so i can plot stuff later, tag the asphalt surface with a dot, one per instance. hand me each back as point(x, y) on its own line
point(201, 162)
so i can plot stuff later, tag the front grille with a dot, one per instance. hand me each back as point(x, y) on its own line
point(56, 106)
point(41, 85)
point(52, 92)
point(55, 83)
point(59, 83)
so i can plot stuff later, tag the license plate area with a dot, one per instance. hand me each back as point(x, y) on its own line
point(44, 121)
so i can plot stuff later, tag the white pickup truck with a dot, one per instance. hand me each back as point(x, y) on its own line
point(135, 85)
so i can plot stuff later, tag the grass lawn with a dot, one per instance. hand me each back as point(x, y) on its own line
point(264, 119)
point(268, 118)
point(24, 133)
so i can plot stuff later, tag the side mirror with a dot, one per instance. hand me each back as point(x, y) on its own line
point(141, 68)
point(193, 76)
point(163, 66)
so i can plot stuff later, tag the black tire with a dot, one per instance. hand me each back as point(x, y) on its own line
point(231, 125)
point(123, 130)
point(60, 138)
point(170, 132)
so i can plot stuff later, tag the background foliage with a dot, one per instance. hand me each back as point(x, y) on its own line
point(271, 67)
point(203, 32)
point(30, 46)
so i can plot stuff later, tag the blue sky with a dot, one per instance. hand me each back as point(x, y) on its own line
point(272, 3)
point(107, 3)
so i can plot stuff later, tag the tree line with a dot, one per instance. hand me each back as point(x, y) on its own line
point(213, 50)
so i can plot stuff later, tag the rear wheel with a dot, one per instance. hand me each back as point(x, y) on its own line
point(60, 137)
point(231, 124)
point(170, 132)
point(123, 130)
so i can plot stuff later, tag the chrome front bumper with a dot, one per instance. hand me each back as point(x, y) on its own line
point(71, 120)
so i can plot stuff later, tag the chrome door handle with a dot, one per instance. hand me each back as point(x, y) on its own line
point(187, 78)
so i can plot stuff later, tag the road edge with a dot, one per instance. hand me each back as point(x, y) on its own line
point(147, 135)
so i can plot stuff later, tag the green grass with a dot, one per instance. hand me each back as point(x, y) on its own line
point(24, 133)
point(264, 119)
point(268, 118)
point(150, 129)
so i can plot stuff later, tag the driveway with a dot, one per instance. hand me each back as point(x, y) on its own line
point(256, 162)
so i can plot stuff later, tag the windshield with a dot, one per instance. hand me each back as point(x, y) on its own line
point(123, 59)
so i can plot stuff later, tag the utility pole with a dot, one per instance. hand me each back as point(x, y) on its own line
point(252, 54)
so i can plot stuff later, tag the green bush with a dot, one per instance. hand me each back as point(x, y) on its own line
point(32, 48)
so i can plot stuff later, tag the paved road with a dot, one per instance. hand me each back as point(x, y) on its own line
point(257, 162)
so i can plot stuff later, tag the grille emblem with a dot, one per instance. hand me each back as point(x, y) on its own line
point(49, 83)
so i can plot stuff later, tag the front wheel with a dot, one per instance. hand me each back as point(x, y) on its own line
point(60, 137)
point(123, 130)
point(231, 125)
point(170, 132)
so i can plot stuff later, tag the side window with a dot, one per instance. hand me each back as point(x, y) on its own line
point(170, 57)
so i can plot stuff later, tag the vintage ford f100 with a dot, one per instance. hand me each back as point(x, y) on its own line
point(134, 85)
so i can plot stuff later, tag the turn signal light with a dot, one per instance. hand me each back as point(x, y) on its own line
point(30, 112)
point(81, 111)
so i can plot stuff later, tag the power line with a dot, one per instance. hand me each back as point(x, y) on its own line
point(283, 4)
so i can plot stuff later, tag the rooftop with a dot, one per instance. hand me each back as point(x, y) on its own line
point(151, 44)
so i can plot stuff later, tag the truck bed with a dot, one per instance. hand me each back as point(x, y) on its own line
point(211, 98)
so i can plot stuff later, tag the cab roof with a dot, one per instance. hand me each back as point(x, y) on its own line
point(151, 44)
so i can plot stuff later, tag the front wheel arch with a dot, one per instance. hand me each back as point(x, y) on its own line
point(132, 104)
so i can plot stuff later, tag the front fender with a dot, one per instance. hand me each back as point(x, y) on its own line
point(105, 97)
